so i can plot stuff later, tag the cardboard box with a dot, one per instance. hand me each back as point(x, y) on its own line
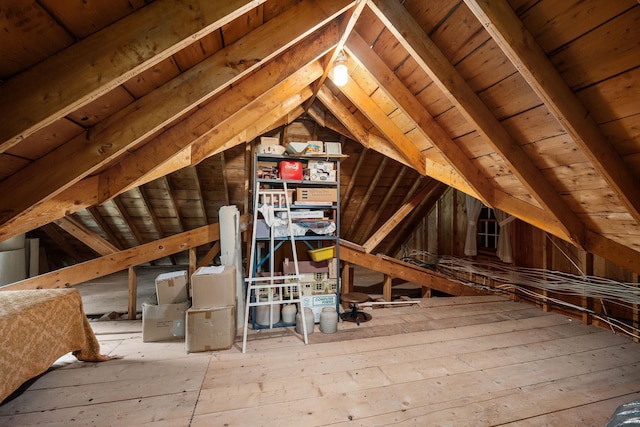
point(322, 165)
point(318, 175)
point(214, 286)
point(163, 322)
point(210, 329)
point(172, 288)
point(317, 302)
point(312, 194)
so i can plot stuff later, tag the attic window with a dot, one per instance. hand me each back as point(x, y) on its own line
point(488, 231)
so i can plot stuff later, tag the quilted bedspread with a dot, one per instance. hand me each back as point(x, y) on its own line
point(37, 327)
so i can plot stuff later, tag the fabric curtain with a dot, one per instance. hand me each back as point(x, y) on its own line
point(474, 206)
point(504, 238)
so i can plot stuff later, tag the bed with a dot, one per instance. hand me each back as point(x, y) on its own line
point(37, 327)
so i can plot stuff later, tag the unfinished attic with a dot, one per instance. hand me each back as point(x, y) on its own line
point(484, 182)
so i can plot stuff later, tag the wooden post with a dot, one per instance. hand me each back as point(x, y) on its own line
point(133, 294)
point(192, 261)
point(386, 287)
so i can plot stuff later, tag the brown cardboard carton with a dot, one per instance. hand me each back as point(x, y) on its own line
point(210, 329)
point(312, 194)
point(214, 286)
point(172, 287)
point(164, 321)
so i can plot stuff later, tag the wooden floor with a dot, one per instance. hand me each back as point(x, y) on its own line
point(465, 361)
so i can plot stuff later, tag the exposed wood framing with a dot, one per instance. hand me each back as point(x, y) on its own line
point(381, 208)
point(210, 255)
point(104, 60)
point(78, 273)
point(406, 271)
point(355, 222)
point(86, 236)
point(442, 72)
point(385, 125)
point(133, 294)
point(174, 203)
point(397, 217)
point(128, 221)
point(147, 115)
point(215, 116)
point(528, 57)
point(62, 242)
point(102, 223)
point(412, 108)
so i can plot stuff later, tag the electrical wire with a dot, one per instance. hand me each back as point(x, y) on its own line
point(507, 279)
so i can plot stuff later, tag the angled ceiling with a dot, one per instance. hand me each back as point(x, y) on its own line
point(129, 120)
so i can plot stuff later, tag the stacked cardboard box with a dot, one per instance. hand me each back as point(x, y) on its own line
point(166, 319)
point(211, 321)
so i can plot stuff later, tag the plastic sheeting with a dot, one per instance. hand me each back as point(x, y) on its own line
point(626, 415)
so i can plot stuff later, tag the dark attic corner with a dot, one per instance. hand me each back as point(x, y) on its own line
point(305, 212)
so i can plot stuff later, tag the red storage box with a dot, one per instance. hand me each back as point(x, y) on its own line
point(290, 169)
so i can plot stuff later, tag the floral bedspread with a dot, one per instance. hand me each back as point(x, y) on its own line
point(37, 327)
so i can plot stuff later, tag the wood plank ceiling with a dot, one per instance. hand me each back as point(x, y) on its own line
point(127, 121)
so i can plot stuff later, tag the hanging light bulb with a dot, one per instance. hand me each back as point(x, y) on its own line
point(340, 71)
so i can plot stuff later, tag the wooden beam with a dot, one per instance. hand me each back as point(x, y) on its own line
point(364, 202)
point(62, 242)
point(387, 284)
point(105, 227)
point(128, 221)
point(406, 271)
point(396, 218)
point(384, 124)
point(346, 198)
point(210, 255)
point(245, 97)
point(349, 22)
point(618, 254)
point(86, 236)
point(387, 197)
point(468, 103)
point(73, 275)
point(109, 139)
point(438, 171)
point(389, 83)
point(174, 202)
point(104, 60)
point(407, 226)
point(510, 34)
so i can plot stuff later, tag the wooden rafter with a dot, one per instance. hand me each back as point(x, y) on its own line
point(103, 61)
point(408, 225)
point(527, 56)
point(52, 174)
point(349, 22)
point(385, 125)
point(272, 79)
point(380, 209)
point(467, 102)
point(105, 227)
point(128, 221)
point(154, 218)
point(364, 202)
point(411, 107)
point(381, 145)
point(395, 219)
point(62, 242)
point(86, 236)
point(348, 189)
point(198, 186)
point(166, 181)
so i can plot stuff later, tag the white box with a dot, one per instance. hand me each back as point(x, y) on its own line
point(172, 288)
point(317, 302)
point(319, 175)
point(322, 165)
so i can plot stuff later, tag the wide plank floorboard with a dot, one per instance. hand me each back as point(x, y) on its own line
point(461, 361)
